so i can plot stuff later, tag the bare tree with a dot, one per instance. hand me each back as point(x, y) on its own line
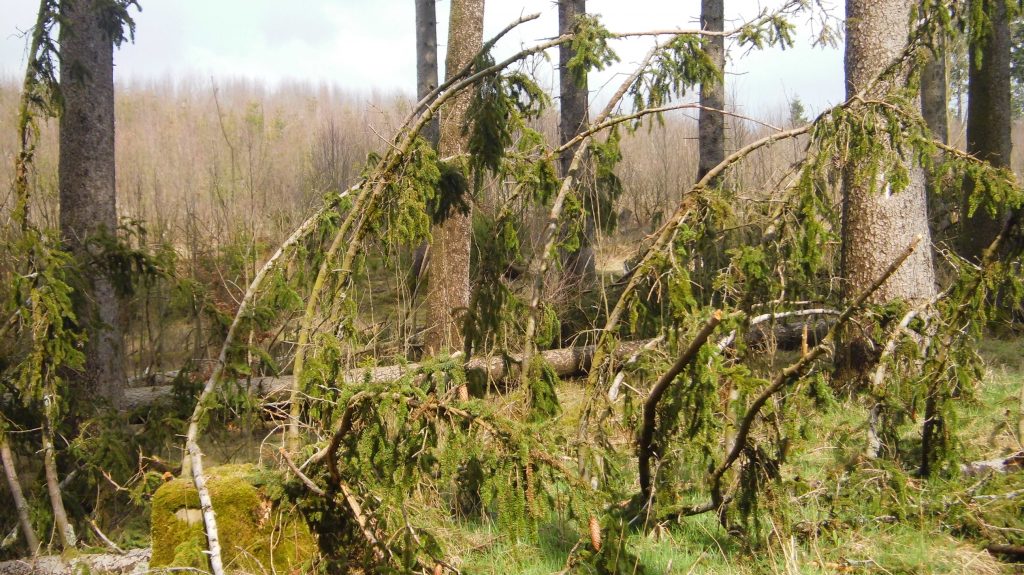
point(88, 209)
point(878, 221)
point(989, 117)
point(448, 292)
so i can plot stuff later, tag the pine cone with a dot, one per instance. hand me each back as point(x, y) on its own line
point(595, 533)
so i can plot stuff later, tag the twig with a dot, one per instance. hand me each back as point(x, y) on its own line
point(357, 513)
point(113, 546)
point(229, 339)
point(302, 476)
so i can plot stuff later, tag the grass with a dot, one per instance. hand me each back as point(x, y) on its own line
point(831, 511)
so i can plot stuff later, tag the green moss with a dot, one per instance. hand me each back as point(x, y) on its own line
point(257, 534)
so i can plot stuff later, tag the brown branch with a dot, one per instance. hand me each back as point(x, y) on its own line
point(302, 476)
point(20, 504)
point(644, 443)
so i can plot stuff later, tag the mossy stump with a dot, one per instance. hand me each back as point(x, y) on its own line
point(257, 533)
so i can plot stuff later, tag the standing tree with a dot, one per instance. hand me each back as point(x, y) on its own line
point(989, 115)
point(712, 94)
point(426, 61)
point(882, 211)
point(574, 118)
point(426, 82)
point(88, 213)
point(448, 294)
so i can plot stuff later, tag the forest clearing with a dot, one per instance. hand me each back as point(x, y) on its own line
point(571, 306)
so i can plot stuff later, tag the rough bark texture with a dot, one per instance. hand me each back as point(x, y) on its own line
point(877, 223)
point(448, 291)
point(989, 119)
point(711, 123)
point(579, 265)
point(86, 173)
point(426, 60)
point(20, 505)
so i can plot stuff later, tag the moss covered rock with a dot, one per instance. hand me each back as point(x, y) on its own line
point(258, 533)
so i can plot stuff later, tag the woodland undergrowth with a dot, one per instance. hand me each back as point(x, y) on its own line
point(714, 435)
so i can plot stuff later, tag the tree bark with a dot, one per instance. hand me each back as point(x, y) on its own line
point(935, 93)
point(86, 171)
point(579, 265)
point(133, 561)
point(877, 222)
point(989, 118)
point(711, 124)
point(935, 110)
point(20, 505)
point(66, 532)
point(448, 293)
point(426, 61)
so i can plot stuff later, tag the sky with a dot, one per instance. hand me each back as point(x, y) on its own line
point(370, 44)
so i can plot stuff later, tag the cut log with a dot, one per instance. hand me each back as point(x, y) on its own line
point(566, 362)
point(135, 561)
point(1013, 462)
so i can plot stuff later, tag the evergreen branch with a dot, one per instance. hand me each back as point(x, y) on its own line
point(644, 443)
point(794, 371)
point(27, 128)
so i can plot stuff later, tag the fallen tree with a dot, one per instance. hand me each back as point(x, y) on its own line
point(566, 362)
point(135, 561)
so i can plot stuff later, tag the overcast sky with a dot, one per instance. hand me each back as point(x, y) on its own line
point(369, 44)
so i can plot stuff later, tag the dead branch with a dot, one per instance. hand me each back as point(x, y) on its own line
point(206, 504)
point(20, 505)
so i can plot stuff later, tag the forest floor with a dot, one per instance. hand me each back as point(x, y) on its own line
point(830, 512)
point(834, 512)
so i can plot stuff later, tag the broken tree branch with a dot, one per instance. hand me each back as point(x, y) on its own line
point(645, 448)
point(793, 372)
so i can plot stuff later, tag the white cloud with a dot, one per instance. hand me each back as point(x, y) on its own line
point(364, 45)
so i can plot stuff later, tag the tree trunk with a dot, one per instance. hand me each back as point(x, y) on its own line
point(426, 82)
point(449, 291)
point(711, 124)
point(579, 265)
point(878, 223)
point(426, 61)
point(86, 172)
point(65, 531)
point(935, 110)
point(20, 505)
point(989, 119)
point(935, 93)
